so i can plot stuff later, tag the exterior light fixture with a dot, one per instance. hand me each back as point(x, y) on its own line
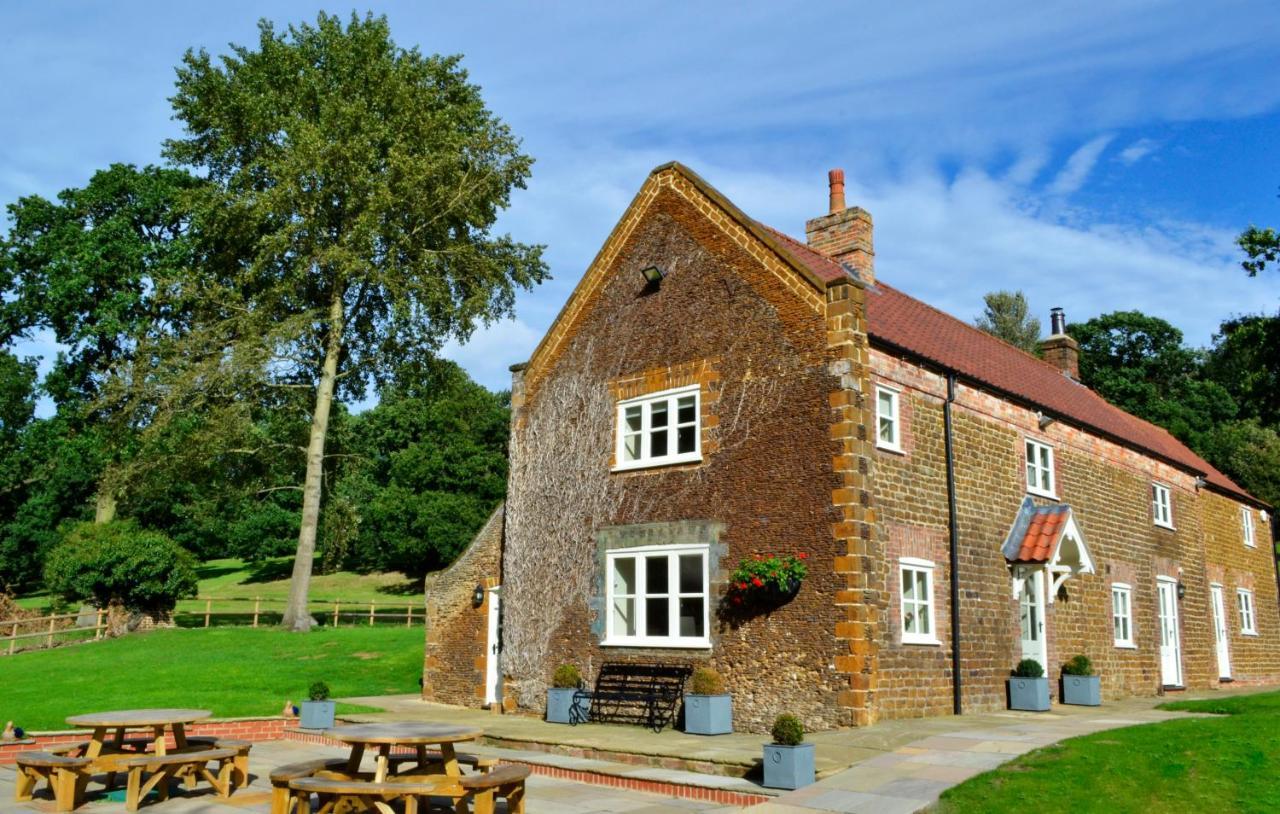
point(1200, 482)
point(652, 275)
point(477, 597)
point(1182, 590)
point(1044, 420)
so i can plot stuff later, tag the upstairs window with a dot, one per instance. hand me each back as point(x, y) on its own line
point(659, 429)
point(657, 596)
point(917, 602)
point(1122, 614)
point(1040, 469)
point(1246, 524)
point(1245, 600)
point(1161, 506)
point(888, 425)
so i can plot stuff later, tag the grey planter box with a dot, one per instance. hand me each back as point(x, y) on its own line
point(788, 767)
point(1031, 694)
point(316, 714)
point(1083, 690)
point(562, 707)
point(708, 714)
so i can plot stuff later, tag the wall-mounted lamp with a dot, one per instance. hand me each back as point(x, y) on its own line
point(1044, 420)
point(1182, 590)
point(652, 275)
point(477, 596)
point(1200, 482)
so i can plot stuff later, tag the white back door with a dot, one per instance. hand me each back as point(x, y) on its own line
point(1031, 618)
point(1170, 644)
point(1220, 630)
point(492, 686)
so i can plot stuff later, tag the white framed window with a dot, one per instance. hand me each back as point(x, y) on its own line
point(1246, 525)
point(888, 422)
point(918, 618)
point(659, 429)
point(1122, 614)
point(657, 596)
point(1040, 469)
point(1244, 598)
point(1161, 506)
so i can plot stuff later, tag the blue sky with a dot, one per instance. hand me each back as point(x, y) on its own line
point(1098, 155)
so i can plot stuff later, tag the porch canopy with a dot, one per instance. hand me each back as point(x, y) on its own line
point(1046, 537)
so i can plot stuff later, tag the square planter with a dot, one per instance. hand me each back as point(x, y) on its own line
point(1083, 690)
point(564, 708)
point(316, 714)
point(708, 714)
point(788, 767)
point(1031, 694)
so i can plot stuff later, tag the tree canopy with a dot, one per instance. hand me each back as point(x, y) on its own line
point(1008, 317)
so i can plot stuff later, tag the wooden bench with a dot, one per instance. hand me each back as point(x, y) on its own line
point(281, 776)
point(647, 694)
point(240, 764)
point(369, 796)
point(480, 764)
point(182, 765)
point(506, 782)
point(65, 776)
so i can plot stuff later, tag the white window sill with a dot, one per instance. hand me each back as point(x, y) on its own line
point(1041, 493)
point(1248, 633)
point(1126, 646)
point(1160, 525)
point(652, 463)
point(1250, 545)
point(663, 644)
point(894, 448)
point(925, 642)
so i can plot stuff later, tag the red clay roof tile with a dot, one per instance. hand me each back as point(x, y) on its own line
point(1037, 543)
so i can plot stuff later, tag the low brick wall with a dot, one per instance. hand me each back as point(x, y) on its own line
point(249, 729)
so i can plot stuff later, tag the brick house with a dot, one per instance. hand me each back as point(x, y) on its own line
point(715, 390)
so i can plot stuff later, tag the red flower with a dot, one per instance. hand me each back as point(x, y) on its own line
point(742, 586)
point(804, 555)
point(756, 581)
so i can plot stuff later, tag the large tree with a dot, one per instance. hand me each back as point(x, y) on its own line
point(354, 187)
point(1007, 317)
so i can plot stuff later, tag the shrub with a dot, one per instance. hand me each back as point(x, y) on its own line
point(1028, 668)
point(319, 691)
point(706, 681)
point(1078, 666)
point(119, 562)
point(566, 677)
point(787, 730)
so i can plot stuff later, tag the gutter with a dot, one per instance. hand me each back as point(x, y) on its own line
point(953, 545)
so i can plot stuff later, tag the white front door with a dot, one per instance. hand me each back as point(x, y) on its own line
point(492, 686)
point(1031, 617)
point(1170, 644)
point(1220, 630)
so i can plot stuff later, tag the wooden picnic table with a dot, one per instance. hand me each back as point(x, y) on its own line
point(159, 721)
point(418, 735)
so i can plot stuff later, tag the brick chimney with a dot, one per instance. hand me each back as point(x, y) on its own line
point(844, 233)
point(1060, 350)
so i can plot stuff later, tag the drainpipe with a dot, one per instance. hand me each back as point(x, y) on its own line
point(953, 545)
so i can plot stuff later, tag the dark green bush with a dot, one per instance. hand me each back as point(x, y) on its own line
point(119, 562)
point(1028, 668)
point(566, 677)
point(318, 691)
point(706, 681)
point(1078, 666)
point(787, 730)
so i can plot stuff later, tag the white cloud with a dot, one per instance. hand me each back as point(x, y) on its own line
point(1137, 151)
point(1073, 175)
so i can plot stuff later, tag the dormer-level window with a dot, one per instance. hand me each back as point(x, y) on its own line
point(1040, 469)
point(888, 424)
point(1161, 506)
point(1246, 524)
point(659, 429)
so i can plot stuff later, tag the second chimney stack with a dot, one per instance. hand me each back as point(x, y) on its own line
point(1060, 350)
point(844, 233)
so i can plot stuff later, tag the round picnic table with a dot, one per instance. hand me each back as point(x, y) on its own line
point(417, 735)
point(157, 720)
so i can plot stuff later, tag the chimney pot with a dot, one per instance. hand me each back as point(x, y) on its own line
point(1057, 322)
point(1060, 350)
point(835, 179)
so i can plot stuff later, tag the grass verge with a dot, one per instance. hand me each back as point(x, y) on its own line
point(1221, 764)
point(231, 671)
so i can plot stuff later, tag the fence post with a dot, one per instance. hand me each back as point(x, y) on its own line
point(13, 638)
point(97, 625)
point(370, 613)
point(408, 616)
point(207, 604)
point(48, 642)
point(335, 613)
point(257, 603)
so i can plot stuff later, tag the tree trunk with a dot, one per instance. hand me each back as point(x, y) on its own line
point(296, 616)
point(105, 508)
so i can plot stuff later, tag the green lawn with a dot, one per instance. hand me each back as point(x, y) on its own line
point(231, 671)
point(1220, 765)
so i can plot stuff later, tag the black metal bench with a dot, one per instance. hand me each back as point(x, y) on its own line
point(647, 694)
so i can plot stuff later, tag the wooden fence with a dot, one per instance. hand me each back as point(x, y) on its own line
point(202, 612)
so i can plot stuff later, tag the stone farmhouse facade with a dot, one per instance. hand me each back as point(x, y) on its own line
point(714, 391)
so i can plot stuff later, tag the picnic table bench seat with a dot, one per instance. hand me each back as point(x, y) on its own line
point(505, 781)
point(647, 694)
point(281, 776)
point(63, 773)
point(371, 796)
point(186, 765)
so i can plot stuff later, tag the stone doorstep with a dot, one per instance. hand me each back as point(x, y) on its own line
point(641, 774)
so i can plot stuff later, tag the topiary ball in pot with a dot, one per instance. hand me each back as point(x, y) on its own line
point(1028, 688)
point(1079, 685)
point(566, 702)
point(317, 713)
point(708, 709)
point(788, 761)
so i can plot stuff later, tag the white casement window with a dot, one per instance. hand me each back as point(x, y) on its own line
point(888, 423)
point(1245, 599)
point(918, 618)
point(660, 428)
point(1040, 469)
point(1246, 525)
point(657, 596)
point(1122, 614)
point(1161, 506)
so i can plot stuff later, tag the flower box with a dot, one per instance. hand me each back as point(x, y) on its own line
point(1030, 694)
point(1085, 691)
point(788, 767)
point(708, 714)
